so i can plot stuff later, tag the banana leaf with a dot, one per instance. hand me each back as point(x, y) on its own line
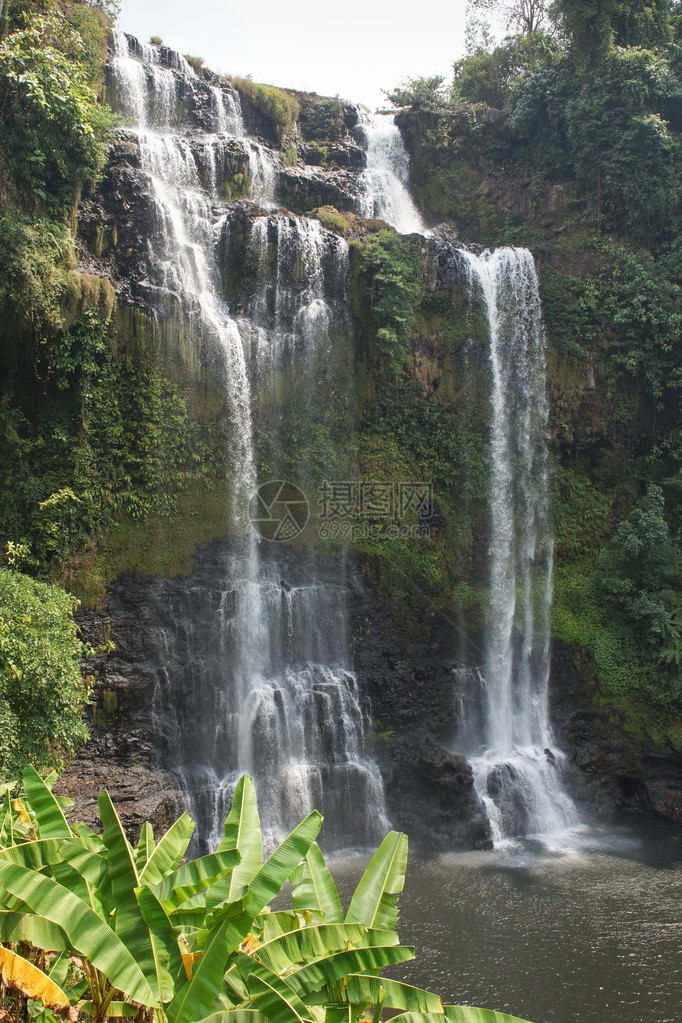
point(314, 977)
point(363, 990)
point(275, 999)
point(145, 847)
point(235, 1016)
point(168, 965)
point(193, 877)
point(242, 832)
point(458, 1014)
point(311, 943)
point(49, 816)
point(375, 900)
point(114, 1009)
point(169, 852)
point(33, 929)
point(314, 888)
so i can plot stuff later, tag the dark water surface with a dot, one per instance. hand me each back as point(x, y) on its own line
point(592, 933)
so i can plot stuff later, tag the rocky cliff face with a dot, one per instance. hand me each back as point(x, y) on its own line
point(405, 679)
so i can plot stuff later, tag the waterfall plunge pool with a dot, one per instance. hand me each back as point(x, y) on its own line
point(588, 934)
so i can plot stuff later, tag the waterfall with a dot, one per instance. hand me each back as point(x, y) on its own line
point(256, 672)
point(518, 774)
point(385, 179)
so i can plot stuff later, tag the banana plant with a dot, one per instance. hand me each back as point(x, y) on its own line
point(197, 941)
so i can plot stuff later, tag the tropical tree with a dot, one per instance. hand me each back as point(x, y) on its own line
point(525, 16)
point(198, 942)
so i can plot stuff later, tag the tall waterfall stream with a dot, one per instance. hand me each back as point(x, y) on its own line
point(275, 696)
point(267, 685)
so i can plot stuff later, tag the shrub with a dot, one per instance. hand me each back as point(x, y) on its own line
point(52, 128)
point(392, 270)
point(42, 691)
point(278, 106)
point(334, 221)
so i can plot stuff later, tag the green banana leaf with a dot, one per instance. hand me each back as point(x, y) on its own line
point(193, 877)
point(168, 965)
point(458, 1014)
point(275, 999)
point(470, 1014)
point(33, 929)
point(274, 925)
point(235, 1016)
point(145, 847)
point(341, 1012)
point(375, 900)
point(87, 837)
point(269, 880)
point(311, 943)
point(129, 922)
point(87, 933)
point(49, 816)
point(35, 854)
point(242, 832)
point(316, 976)
point(169, 852)
point(363, 990)
point(75, 883)
point(91, 865)
point(314, 888)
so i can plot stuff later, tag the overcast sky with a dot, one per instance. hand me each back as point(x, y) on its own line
point(351, 48)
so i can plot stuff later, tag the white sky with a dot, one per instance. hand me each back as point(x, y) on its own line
point(353, 48)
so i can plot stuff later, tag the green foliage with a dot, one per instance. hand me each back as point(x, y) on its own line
point(392, 270)
point(92, 23)
point(418, 425)
point(564, 314)
point(643, 23)
point(589, 24)
point(636, 303)
point(619, 136)
point(52, 129)
point(199, 941)
point(196, 63)
point(36, 259)
point(489, 77)
point(334, 221)
point(642, 571)
point(323, 121)
point(276, 105)
point(42, 691)
point(426, 94)
point(112, 440)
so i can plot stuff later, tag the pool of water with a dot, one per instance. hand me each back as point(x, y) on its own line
point(588, 928)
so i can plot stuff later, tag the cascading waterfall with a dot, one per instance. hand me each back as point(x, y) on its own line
point(291, 314)
point(256, 673)
point(518, 774)
point(384, 181)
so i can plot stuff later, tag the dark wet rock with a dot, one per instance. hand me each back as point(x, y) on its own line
point(405, 682)
point(617, 771)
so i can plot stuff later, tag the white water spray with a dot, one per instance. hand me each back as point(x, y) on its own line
point(385, 179)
